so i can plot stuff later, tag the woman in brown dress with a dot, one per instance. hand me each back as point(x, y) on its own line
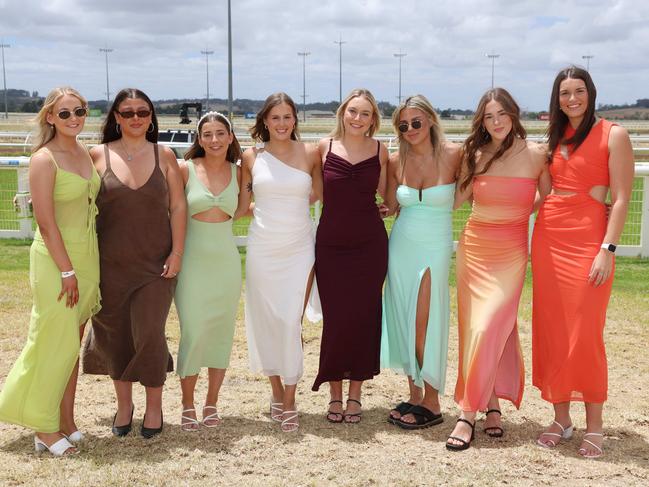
point(141, 230)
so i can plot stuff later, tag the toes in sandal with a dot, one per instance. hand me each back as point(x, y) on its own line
point(583, 451)
point(566, 434)
point(58, 449)
point(332, 416)
point(402, 408)
point(187, 423)
point(350, 417)
point(214, 418)
point(494, 431)
point(465, 444)
point(424, 418)
point(276, 410)
point(290, 424)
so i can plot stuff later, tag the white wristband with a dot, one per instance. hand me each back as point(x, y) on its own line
point(65, 274)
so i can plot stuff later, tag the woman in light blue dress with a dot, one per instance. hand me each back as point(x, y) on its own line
point(421, 185)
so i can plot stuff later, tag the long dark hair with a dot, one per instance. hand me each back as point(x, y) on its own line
point(109, 130)
point(259, 131)
point(479, 136)
point(559, 120)
point(234, 149)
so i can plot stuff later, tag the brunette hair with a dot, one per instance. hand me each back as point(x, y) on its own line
point(44, 131)
point(419, 102)
point(110, 132)
point(479, 136)
point(339, 131)
point(559, 120)
point(234, 149)
point(259, 132)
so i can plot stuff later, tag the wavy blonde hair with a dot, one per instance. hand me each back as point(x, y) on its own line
point(421, 103)
point(44, 131)
point(339, 131)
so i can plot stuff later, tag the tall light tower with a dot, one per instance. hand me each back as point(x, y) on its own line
point(588, 57)
point(400, 55)
point(105, 50)
point(207, 78)
point(230, 114)
point(304, 54)
point(4, 76)
point(493, 58)
point(340, 68)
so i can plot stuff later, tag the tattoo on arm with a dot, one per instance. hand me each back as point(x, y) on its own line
point(249, 187)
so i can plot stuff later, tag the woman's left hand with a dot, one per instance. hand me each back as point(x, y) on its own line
point(171, 267)
point(601, 269)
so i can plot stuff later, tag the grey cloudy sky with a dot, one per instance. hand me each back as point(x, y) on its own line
point(157, 46)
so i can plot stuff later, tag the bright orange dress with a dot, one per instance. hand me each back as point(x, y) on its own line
point(568, 354)
point(491, 263)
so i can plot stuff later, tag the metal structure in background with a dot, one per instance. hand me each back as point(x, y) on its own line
point(207, 54)
point(230, 114)
point(340, 68)
point(588, 57)
point(4, 76)
point(304, 54)
point(400, 55)
point(106, 50)
point(493, 58)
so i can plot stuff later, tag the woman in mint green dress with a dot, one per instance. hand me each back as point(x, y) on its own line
point(421, 184)
point(209, 285)
point(39, 391)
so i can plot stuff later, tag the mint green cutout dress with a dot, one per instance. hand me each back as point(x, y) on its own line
point(209, 284)
point(32, 393)
point(421, 239)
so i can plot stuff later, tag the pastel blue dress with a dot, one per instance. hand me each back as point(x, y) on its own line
point(421, 239)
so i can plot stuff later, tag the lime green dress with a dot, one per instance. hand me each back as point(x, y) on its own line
point(32, 393)
point(209, 285)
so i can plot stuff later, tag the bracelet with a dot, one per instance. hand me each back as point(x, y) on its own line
point(65, 274)
point(176, 253)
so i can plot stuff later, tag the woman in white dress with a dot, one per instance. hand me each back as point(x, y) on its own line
point(285, 176)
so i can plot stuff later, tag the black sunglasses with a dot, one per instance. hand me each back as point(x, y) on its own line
point(405, 126)
point(131, 114)
point(78, 112)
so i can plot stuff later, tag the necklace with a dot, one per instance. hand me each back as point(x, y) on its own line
point(129, 157)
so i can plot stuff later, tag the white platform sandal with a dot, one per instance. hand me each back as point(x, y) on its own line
point(58, 449)
point(566, 434)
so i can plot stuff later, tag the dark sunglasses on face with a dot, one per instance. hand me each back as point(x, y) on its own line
point(404, 126)
point(131, 114)
point(78, 112)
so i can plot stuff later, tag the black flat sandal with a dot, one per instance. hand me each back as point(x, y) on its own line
point(346, 416)
point(339, 416)
point(465, 444)
point(494, 431)
point(424, 418)
point(402, 408)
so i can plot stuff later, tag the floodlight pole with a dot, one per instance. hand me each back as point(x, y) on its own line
point(340, 68)
point(4, 76)
point(400, 55)
point(230, 114)
point(106, 50)
point(304, 54)
point(493, 58)
point(588, 57)
point(207, 78)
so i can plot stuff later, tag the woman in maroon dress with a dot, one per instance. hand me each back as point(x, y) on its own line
point(351, 254)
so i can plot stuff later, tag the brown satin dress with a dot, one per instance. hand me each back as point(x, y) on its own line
point(127, 340)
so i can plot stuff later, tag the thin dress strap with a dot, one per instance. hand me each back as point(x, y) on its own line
point(378, 147)
point(331, 141)
point(157, 157)
point(51, 156)
point(107, 157)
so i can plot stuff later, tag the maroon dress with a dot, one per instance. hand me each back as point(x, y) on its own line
point(351, 261)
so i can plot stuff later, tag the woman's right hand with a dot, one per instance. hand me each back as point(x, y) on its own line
point(69, 289)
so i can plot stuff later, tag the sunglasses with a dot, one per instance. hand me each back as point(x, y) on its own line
point(131, 114)
point(405, 126)
point(77, 112)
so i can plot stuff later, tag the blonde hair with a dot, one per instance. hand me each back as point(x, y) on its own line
point(419, 102)
point(339, 131)
point(44, 131)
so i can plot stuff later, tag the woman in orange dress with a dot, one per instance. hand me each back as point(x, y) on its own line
point(573, 257)
point(500, 172)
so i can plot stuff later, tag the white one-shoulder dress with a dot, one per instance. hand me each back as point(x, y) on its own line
point(279, 258)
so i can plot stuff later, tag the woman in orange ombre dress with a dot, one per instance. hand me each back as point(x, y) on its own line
point(573, 257)
point(501, 172)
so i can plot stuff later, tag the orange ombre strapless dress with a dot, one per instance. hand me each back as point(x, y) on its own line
point(568, 354)
point(491, 264)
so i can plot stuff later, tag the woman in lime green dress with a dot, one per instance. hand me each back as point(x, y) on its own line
point(209, 286)
point(39, 391)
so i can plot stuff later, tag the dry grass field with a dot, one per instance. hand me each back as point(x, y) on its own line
point(249, 449)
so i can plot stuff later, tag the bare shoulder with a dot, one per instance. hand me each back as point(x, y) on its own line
point(41, 160)
point(248, 157)
point(323, 144)
point(618, 134)
point(167, 153)
point(97, 151)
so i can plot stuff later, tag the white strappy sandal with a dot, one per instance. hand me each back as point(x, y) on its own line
point(211, 417)
point(290, 424)
point(75, 437)
point(187, 423)
point(566, 434)
point(276, 410)
point(600, 452)
point(58, 449)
